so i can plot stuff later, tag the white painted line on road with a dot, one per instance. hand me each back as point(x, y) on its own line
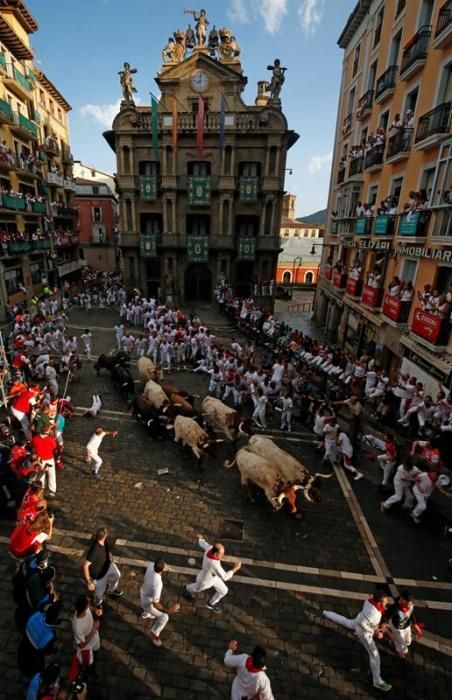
point(104, 410)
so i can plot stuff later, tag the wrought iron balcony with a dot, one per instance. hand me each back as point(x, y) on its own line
point(365, 105)
point(435, 123)
point(347, 125)
point(415, 52)
point(341, 175)
point(386, 84)
point(6, 112)
point(356, 166)
point(443, 32)
point(399, 145)
point(374, 158)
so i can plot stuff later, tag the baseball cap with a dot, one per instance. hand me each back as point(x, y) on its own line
point(42, 557)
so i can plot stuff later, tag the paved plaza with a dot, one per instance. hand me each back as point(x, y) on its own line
point(292, 570)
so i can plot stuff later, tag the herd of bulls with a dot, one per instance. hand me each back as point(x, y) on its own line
point(167, 410)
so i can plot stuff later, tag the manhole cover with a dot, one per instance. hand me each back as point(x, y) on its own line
point(231, 530)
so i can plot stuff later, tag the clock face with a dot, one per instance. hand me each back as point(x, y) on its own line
point(199, 81)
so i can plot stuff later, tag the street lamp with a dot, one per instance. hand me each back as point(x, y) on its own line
point(294, 276)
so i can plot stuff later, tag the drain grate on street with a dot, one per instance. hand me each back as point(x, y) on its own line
point(231, 530)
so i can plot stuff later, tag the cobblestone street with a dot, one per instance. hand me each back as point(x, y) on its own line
point(292, 570)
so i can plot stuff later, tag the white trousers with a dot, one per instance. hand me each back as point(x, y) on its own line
point(387, 467)
point(24, 422)
point(205, 581)
point(286, 420)
point(161, 618)
point(330, 450)
point(366, 639)
point(108, 583)
point(401, 492)
point(422, 500)
point(259, 414)
point(49, 475)
point(402, 638)
point(94, 456)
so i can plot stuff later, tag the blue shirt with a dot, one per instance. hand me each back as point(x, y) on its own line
point(39, 632)
point(33, 688)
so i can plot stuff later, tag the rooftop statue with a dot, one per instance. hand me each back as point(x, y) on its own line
point(213, 42)
point(277, 81)
point(201, 25)
point(190, 39)
point(126, 80)
point(180, 49)
point(228, 49)
point(168, 51)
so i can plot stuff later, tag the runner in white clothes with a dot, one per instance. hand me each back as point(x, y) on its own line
point(96, 405)
point(150, 594)
point(92, 449)
point(403, 482)
point(366, 625)
point(212, 575)
point(346, 447)
point(251, 681)
point(286, 413)
point(87, 339)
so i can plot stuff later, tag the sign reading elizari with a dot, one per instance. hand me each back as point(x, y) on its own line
point(369, 245)
point(416, 251)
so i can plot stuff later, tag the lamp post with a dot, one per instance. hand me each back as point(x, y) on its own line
point(294, 276)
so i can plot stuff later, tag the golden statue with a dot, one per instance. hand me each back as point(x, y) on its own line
point(228, 49)
point(126, 80)
point(169, 51)
point(201, 25)
point(179, 49)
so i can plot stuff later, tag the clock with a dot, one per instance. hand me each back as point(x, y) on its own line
point(199, 81)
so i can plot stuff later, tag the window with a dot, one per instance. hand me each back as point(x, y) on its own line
point(198, 168)
point(384, 119)
point(356, 60)
point(411, 101)
point(445, 91)
point(249, 169)
point(60, 116)
point(96, 214)
point(372, 76)
point(42, 98)
point(287, 232)
point(425, 18)
point(95, 189)
point(148, 168)
point(396, 187)
point(51, 107)
point(151, 223)
point(313, 234)
point(248, 226)
point(286, 277)
point(372, 196)
point(428, 176)
point(442, 187)
point(363, 137)
point(378, 26)
point(308, 278)
point(13, 280)
point(351, 101)
point(198, 225)
point(395, 49)
point(409, 270)
point(400, 7)
point(36, 274)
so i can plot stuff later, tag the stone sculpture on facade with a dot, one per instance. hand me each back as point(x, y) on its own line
point(126, 80)
point(168, 51)
point(190, 39)
point(180, 49)
point(228, 49)
point(201, 26)
point(277, 81)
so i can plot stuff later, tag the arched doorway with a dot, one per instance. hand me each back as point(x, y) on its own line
point(308, 278)
point(198, 283)
point(286, 277)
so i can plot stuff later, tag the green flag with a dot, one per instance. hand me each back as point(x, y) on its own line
point(155, 126)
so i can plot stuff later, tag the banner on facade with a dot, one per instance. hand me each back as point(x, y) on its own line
point(418, 251)
point(391, 307)
point(421, 362)
point(338, 279)
point(148, 245)
point(197, 248)
point(247, 248)
point(199, 190)
point(352, 286)
point(148, 187)
point(370, 296)
point(248, 189)
point(426, 325)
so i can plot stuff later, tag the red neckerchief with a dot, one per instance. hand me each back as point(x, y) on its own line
point(377, 605)
point(212, 555)
point(250, 667)
point(433, 476)
point(405, 608)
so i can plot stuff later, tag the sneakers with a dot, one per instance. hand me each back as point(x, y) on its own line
point(217, 608)
point(385, 687)
point(416, 520)
point(116, 593)
point(188, 595)
point(358, 476)
point(147, 616)
point(155, 639)
point(97, 475)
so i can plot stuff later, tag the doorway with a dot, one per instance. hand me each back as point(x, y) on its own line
point(198, 283)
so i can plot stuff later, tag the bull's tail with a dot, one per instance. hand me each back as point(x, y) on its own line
point(227, 464)
point(242, 432)
point(323, 476)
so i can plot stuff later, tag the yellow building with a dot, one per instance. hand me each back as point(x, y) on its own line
point(389, 210)
point(30, 228)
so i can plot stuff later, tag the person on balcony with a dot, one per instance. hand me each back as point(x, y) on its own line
point(425, 298)
point(406, 297)
point(360, 209)
point(394, 287)
point(409, 119)
point(374, 278)
point(397, 123)
point(355, 270)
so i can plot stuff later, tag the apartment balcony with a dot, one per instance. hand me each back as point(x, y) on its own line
point(365, 105)
point(24, 126)
point(148, 186)
point(430, 330)
point(371, 297)
point(347, 124)
point(17, 247)
point(443, 31)
point(363, 225)
point(66, 156)
point(415, 53)
point(333, 227)
point(38, 207)
point(341, 175)
point(17, 82)
point(374, 159)
point(442, 226)
point(393, 308)
point(55, 179)
point(356, 167)
point(59, 211)
point(2, 62)
point(69, 185)
point(50, 146)
point(433, 127)
point(354, 287)
point(40, 244)
point(414, 224)
point(248, 189)
point(339, 279)
point(6, 112)
point(128, 240)
point(399, 145)
point(346, 225)
point(386, 84)
point(384, 225)
point(199, 189)
point(10, 201)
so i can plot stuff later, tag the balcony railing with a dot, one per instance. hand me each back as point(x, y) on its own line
point(25, 123)
point(15, 74)
point(435, 122)
point(384, 225)
point(67, 156)
point(69, 185)
point(347, 125)
point(354, 286)
point(444, 18)
point(248, 188)
point(199, 188)
point(356, 166)
point(374, 156)
point(365, 104)
point(416, 49)
point(5, 109)
point(430, 327)
point(2, 60)
point(386, 81)
point(341, 175)
point(395, 309)
point(41, 244)
point(371, 296)
point(15, 247)
point(339, 279)
point(363, 225)
point(442, 228)
point(414, 224)
point(59, 210)
point(400, 143)
point(50, 145)
point(38, 207)
point(55, 179)
point(11, 201)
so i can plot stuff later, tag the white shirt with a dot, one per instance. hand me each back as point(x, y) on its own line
point(95, 441)
point(402, 475)
point(152, 585)
point(247, 684)
point(81, 628)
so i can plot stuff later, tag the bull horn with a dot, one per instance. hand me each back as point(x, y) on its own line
point(195, 396)
point(307, 496)
point(227, 464)
point(177, 405)
point(220, 440)
point(164, 410)
point(169, 427)
point(151, 420)
point(323, 476)
point(242, 432)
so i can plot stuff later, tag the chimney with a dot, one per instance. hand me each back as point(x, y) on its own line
point(288, 206)
point(262, 95)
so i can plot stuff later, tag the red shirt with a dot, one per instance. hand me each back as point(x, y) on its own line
point(391, 449)
point(22, 403)
point(44, 446)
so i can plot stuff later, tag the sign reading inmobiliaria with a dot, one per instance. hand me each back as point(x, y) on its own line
point(426, 325)
point(417, 251)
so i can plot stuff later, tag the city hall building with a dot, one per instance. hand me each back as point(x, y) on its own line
point(200, 176)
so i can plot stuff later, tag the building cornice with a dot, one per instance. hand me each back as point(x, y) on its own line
point(50, 87)
point(22, 14)
point(9, 37)
point(353, 22)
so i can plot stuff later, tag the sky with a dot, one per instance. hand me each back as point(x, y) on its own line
point(82, 45)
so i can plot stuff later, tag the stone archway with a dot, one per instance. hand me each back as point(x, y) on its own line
point(198, 283)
